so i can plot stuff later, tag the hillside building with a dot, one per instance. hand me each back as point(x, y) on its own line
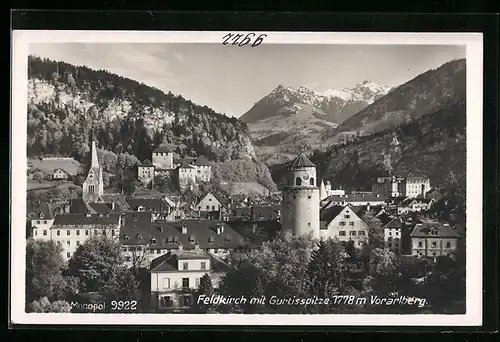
point(146, 173)
point(301, 198)
point(411, 186)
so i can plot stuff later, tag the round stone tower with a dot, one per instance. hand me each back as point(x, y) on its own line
point(300, 206)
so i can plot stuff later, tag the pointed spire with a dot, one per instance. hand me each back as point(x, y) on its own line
point(95, 160)
point(322, 191)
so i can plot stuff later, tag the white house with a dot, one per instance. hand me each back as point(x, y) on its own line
point(60, 174)
point(433, 239)
point(343, 223)
point(176, 276)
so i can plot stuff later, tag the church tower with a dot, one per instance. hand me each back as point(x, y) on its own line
point(93, 186)
point(300, 206)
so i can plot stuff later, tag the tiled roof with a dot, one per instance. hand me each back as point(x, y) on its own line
point(83, 219)
point(423, 230)
point(121, 204)
point(101, 208)
point(79, 206)
point(155, 204)
point(330, 213)
point(168, 262)
point(186, 166)
point(301, 161)
point(147, 163)
point(44, 211)
point(202, 161)
point(357, 198)
point(385, 218)
point(137, 226)
point(394, 223)
point(416, 178)
point(257, 212)
point(169, 235)
point(162, 149)
point(63, 170)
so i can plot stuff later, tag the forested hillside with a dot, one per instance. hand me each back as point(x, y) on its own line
point(66, 101)
point(433, 145)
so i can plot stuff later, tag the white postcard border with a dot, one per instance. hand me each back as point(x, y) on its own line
point(474, 76)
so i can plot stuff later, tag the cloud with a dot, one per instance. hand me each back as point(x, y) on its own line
point(143, 62)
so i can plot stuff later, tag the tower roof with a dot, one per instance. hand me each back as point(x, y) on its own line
point(301, 161)
point(95, 160)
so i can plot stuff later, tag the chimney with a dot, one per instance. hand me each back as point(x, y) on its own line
point(184, 230)
point(196, 247)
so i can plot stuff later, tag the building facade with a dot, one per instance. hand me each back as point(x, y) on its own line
point(175, 277)
point(71, 230)
point(163, 158)
point(300, 205)
point(60, 174)
point(342, 223)
point(146, 172)
point(433, 240)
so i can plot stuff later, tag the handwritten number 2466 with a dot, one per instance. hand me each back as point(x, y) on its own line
point(242, 40)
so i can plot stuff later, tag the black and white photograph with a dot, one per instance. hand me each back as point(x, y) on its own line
point(246, 178)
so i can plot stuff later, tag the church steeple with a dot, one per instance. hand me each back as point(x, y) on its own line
point(93, 187)
point(95, 160)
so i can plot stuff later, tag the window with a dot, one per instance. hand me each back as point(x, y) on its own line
point(78, 243)
point(185, 282)
point(347, 216)
point(184, 265)
point(113, 232)
point(390, 233)
point(309, 197)
point(203, 265)
point(433, 243)
point(166, 283)
point(352, 233)
point(44, 233)
point(213, 208)
point(361, 232)
point(86, 232)
point(342, 233)
point(36, 232)
point(68, 255)
point(342, 223)
point(389, 245)
point(95, 231)
point(186, 300)
point(208, 207)
point(351, 223)
point(298, 181)
point(216, 250)
point(69, 243)
point(158, 251)
point(44, 221)
point(448, 244)
point(68, 232)
point(420, 244)
point(311, 181)
point(58, 233)
point(77, 232)
point(58, 243)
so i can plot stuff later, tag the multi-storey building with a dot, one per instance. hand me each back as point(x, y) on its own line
point(343, 223)
point(146, 173)
point(411, 186)
point(433, 239)
point(175, 277)
point(71, 230)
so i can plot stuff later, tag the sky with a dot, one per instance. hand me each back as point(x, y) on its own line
point(231, 80)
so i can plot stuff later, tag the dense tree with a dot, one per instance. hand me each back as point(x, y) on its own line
point(206, 289)
point(44, 272)
point(98, 263)
point(45, 306)
point(121, 111)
